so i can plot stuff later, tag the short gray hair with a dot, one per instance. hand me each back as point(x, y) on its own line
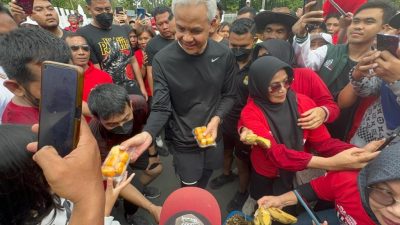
point(210, 4)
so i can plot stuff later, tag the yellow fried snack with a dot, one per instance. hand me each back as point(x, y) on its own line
point(108, 171)
point(115, 163)
point(281, 216)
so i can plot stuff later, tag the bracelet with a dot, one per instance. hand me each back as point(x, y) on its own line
point(154, 155)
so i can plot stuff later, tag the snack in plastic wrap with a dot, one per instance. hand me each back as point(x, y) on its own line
point(203, 141)
point(115, 164)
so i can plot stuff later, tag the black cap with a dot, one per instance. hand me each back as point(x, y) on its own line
point(264, 18)
point(395, 21)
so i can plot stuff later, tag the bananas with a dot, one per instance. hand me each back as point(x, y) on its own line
point(265, 216)
point(262, 217)
point(260, 141)
point(281, 216)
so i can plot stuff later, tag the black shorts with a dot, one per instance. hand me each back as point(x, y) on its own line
point(190, 165)
point(142, 162)
point(240, 150)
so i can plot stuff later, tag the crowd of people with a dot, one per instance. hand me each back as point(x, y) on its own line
point(316, 84)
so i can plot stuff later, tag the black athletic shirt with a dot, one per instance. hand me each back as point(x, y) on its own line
point(155, 45)
point(191, 89)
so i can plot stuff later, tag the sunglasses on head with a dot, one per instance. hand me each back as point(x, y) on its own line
point(75, 48)
point(275, 87)
point(382, 196)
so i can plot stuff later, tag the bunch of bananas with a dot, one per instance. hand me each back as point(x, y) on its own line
point(260, 141)
point(266, 216)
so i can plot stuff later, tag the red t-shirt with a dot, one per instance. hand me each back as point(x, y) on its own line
point(92, 78)
point(16, 114)
point(308, 83)
point(341, 188)
point(267, 162)
point(139, 58)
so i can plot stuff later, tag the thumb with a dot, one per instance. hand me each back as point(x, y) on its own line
point(47, 158)
point(373, 145)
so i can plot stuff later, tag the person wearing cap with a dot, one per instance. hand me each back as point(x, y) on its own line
point(275, 25)
point(334, 62)
point(190, 205)
point(368, 197)
point(194, 86)
point(272, 112)
point(43, 13)
point(380, 119)
point(320, 39)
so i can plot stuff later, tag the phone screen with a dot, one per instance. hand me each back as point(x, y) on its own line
point(60, 107)
point(141, 13)
point(389, 43)
point(27, 5)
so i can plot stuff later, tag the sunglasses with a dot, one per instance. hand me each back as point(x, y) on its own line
point(75, 48)
point(275, 87)
point(382, 196)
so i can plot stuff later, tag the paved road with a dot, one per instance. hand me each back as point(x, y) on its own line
point(167, 182)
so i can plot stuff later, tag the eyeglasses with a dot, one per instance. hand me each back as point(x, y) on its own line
point(75, 48)
point(275, 87)
point(382, 196)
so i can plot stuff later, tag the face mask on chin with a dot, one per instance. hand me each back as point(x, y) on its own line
point(31, 99)
point(241, 54)
point(104, 20)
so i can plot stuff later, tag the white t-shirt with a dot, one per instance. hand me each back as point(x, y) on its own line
point(5, 94)
point(63, 216)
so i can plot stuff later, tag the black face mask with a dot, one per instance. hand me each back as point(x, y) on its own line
point(126, 128)
point(241, 54)
point(105, 20)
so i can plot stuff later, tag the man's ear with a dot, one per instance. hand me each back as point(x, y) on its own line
point(14, 87)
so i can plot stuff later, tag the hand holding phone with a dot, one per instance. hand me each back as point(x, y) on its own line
point(310, 212)
point(60, 106)
point(389, 139)
point(389, 43)
point(26, 5)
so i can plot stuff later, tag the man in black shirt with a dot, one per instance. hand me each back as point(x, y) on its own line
point(165, 23)
point(241, 40)
point(110, 47)
point(194, 86)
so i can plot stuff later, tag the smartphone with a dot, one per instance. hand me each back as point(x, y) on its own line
point(317, 6)
point(310, 212)
point(141, 13)
point(389, 139)
point(27, 5)
point(119, 10)
point(60, 106)
point(386, 42)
